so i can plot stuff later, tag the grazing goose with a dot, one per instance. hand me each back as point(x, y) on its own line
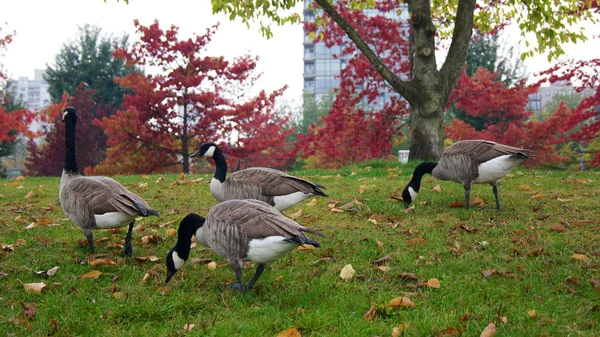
point(96, 202)
point(274, 187)
point(240, 230)
point(469, 162)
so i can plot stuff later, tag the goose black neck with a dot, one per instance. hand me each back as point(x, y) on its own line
point(184, 239)
point(70, 161)
point(419, 172)
point(221, 170)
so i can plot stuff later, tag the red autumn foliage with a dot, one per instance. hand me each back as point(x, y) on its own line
point(354, 130)
point(191, 99)
point(505, 109)
point(48, 159)
point(14, 122)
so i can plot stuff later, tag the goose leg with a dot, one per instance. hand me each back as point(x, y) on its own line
point(495, 189)
point(236, 265)
point(259, 271)
point(90, 239)
point(128, 249)
point(467, 195)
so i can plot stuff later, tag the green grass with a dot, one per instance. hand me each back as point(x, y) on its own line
point(304, 290)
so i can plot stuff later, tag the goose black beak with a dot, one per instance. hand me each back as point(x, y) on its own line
point(406, 204)
point(194, 154)
point(169, 275)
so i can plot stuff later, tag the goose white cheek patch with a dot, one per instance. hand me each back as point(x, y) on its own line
point(413, 193)
point(177, 261)
point(210, 152)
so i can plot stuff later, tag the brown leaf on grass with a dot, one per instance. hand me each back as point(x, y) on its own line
point(489, 272)
point(489, 330)
point(29, 309)
point(347, 272)
point(537, 195)
point(362, 189)
point(116, 278)
point(572, 280)
point(54, 326)
point(153, 239)
point(524, 188)
point(118, 295)
point(143, 185)
point(558, 228)
point(531, 313)
point(381, 259)
point(409, 209)
point(437, 188)
point(312, 202)
point(581, 257)
point(433, 283)
point(535, 252)
point(295, 215)
point(595, 284)
point(171, 232)
point(30, 195)
point(16, 184)
point(94, 274)
point(370, 314)
point(35, 288)
point(290, 332)
point(416, 242)
point(468, 317)
point(384, 269)
point(188, 326)
point(3, 275)
point(401, 302)
point(476, 201)
point(407, 277)
point(306, 247)
point(456, 204)
point(398, 330)
point(450, 332)
point(211, 265)
point(102, 262)
point(145, 278)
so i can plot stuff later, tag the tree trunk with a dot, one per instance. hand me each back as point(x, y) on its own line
point(184, 138)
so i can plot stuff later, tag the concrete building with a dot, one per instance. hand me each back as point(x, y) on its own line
point(321, 68)
point(540, 99)
point(34, 92)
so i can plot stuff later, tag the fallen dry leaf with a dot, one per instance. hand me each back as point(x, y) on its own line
point(142, 185)
point(384, 269)
point(531, 313)
point(347, 272)
point(524, 188)
point(312, 202)
point(407, 276)
point(456, 204)
point(476, 201)
point(29, 309)
point(35, 288)
point(102, 262)
point(401, 302)
point(489, 272)
point(433, 283)
point(489, 330)
point(397, 330)
point(437, 188)
point(416, 242)
point(188, 326)
point(409, 209)
point(558, 228)
point(118, 295)
point(362, 189)
point(537, 195)
point(306, 247)
point(450, 332)
point(52, 271)
point(145, 278)
point(30, 195)
point(580, 257)
point(370, 314)
point(94, 274)
point(145, 176)
point(211, 265)
point(295, 215)
point(290, 332)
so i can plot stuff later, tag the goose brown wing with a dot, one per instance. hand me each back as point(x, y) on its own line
point(481, 151)
point(273, 182)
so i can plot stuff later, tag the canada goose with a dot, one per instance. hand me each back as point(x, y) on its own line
point(96, 202)
point(469, 162)
point(240, 230)
point(274, 187)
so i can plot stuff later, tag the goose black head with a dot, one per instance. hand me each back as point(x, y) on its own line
point(205, 150)
point(177, 256)
point(409, 194)
point(69, 114)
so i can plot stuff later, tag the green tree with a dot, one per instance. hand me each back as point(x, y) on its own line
point(570, 99)
point(428, 88)
point(312, 110)
point(89, 59)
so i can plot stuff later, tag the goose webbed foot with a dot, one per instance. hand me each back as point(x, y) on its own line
point(237, 287)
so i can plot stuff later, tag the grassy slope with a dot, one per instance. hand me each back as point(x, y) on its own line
point(300, 292)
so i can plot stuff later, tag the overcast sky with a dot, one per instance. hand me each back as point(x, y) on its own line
point(43, 26)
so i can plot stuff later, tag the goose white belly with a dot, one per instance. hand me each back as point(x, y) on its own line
point(494, 169)
point(113, 220)
point(283, 202)
point(269, 249)
point(215, 189)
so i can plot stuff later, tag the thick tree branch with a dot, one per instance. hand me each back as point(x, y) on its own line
point(457, 54)
point(402, 87)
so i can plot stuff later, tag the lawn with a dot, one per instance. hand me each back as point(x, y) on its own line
point(531, 268)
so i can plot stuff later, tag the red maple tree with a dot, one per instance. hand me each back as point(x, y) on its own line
point(189, 98)
point(356, 129)
point(505, 109)
point(48, 159)
point(14, 122)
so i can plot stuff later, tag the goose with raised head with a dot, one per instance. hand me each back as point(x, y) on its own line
point(274, 187)
point(240, 230)
point(469, 162)
point(96, 202)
